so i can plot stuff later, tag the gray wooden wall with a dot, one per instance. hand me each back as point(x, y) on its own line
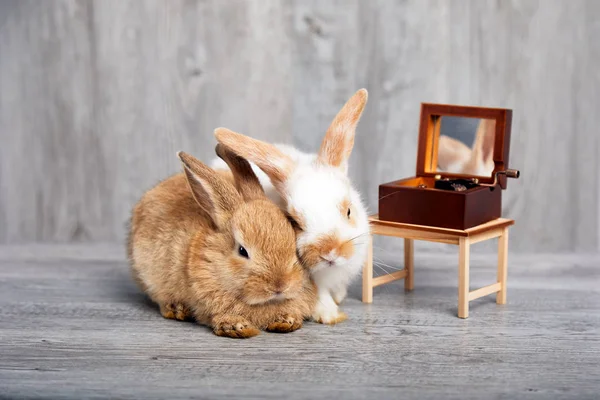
point(97, 96)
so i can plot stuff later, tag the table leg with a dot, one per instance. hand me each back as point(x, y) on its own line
point(367, 274)
point(409, 263)
point(463, 277)
point(502, 266)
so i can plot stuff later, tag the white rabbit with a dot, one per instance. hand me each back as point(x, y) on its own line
point(314, 190)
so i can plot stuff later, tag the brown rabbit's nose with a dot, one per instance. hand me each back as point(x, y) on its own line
point(279, 288)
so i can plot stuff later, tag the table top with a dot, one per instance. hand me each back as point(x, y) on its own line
point(495, 224)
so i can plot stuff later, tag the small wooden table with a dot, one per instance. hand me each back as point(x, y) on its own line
point(463, 238)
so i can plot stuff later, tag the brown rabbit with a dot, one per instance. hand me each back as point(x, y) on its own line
point(201, 248)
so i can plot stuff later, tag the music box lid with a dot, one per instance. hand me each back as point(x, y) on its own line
point(465, 142)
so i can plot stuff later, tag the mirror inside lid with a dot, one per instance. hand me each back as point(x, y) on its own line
point(471, 143)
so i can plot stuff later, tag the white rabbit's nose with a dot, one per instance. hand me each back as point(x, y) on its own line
point(330, 258)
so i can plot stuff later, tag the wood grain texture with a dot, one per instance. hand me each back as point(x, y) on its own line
point(46, 120)
point(97, 96)
point(533, 58)
point(73, 325)
point(409, 264)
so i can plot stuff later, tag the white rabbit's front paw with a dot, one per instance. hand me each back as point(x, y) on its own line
point(339, 294)
point(328, 314)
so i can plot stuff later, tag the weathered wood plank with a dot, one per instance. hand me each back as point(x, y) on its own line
point(100, 95)
point(77, 327)
point(97, 96)
point(46, 120)
point(471, 52)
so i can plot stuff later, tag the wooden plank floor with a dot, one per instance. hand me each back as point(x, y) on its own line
point(73, 325)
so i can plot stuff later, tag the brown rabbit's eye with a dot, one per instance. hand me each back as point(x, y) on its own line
point(242, 252)
point(348, 213)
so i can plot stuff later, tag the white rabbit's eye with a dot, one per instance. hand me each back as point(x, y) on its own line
point(242, 252)
point(348, 213)
point(294, 223)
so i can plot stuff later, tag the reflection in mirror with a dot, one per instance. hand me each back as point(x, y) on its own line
point(465, 145)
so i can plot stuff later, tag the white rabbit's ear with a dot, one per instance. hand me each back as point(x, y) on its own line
point(277, 165)
point(339, 139)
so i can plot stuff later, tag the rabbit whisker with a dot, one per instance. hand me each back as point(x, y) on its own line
point(380, 265)
point(385, 271)
point(388, 195)
point(357, 236)
point(387, 268)
point(379, 261)
point(378, 248)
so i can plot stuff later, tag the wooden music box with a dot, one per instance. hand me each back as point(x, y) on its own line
point(462, 168)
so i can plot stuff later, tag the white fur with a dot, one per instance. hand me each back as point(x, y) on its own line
point(314, 191)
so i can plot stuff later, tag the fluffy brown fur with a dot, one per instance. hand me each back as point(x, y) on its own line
point(184, 252)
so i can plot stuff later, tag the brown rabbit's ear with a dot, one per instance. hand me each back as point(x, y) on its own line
point(339, 140)
point(217, 197)
point(272, 161)
point(246, 181)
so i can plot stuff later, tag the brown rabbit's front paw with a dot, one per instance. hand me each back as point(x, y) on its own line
point(284, 324)
point(234, 327)
point(175, 311)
